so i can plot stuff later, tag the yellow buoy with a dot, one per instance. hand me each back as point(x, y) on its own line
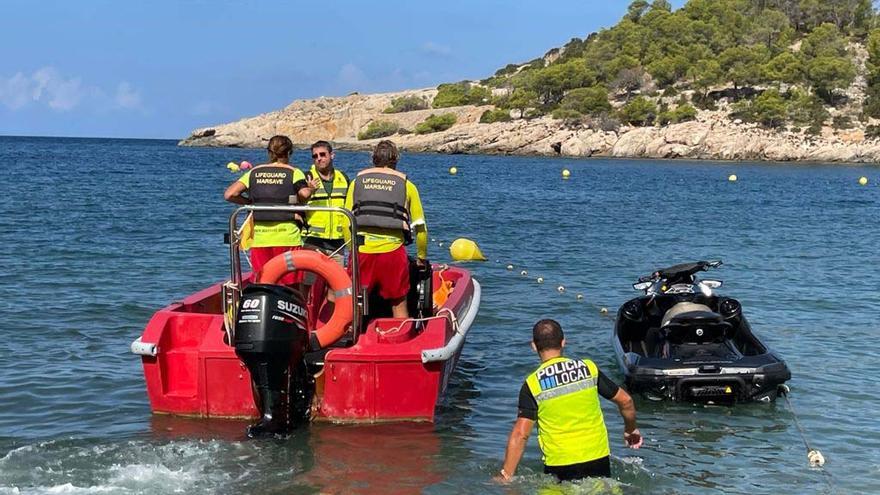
point(732, 178)
point(566, 173)
point(863, 181)
point(465, 250)
point(232, 166)
point(453, 170)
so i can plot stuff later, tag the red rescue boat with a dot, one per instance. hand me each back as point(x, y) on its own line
point(384, 369)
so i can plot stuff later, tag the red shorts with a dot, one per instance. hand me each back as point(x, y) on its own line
point(389, 272)
point(261, 255)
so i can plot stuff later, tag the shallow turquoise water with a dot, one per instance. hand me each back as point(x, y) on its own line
point(101, 233)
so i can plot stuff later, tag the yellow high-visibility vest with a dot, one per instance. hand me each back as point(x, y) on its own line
point(571, 429)
point(324, 224)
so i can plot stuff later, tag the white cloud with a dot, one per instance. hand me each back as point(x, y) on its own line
point(15, 92)
point(58, 92)
point(64, 95)
point(436, 49)
point(127, 97)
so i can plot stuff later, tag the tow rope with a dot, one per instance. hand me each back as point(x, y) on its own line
point(814, 456)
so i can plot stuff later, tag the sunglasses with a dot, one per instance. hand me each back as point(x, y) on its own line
point(321, 154)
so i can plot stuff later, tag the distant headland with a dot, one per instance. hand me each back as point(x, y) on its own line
point(716, 79)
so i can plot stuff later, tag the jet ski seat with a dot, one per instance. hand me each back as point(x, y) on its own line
point(692, 323)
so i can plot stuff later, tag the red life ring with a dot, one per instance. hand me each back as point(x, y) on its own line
point(336, 278)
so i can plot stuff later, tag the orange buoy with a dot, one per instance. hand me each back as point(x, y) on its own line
point(329, 270)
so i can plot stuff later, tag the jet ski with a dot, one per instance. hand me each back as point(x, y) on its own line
point(682, 341)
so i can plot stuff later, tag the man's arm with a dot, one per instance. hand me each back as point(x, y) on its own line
point(233, 193)
point(304, 185)
point(611, 391)
point(631, 434)
point(527, 414)
point(307, 189)
point(346, 224)
point(516, 445)
point(417, 221)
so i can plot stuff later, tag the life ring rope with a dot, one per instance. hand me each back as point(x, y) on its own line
point(337, 278)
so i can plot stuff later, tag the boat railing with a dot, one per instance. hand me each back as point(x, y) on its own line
point(461, 325)
point(232, 289)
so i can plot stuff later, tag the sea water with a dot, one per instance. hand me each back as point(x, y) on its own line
point(99, 234)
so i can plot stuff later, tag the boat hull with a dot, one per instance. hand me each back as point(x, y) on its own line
point(382, 377)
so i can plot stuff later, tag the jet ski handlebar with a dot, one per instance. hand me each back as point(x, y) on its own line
point(681, 273)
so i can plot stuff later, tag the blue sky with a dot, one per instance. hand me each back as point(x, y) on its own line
point(164, 67)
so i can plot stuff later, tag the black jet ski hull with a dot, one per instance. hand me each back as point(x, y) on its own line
point(730, 366)
point(734, 382)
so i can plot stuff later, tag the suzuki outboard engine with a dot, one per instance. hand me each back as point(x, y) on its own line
point(271, 336)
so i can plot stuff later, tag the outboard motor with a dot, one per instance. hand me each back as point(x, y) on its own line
point(271, 336)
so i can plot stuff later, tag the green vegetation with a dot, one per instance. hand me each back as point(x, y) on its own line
point(872, 99)
point(566, 114)
point(435, 123)
point(496, 115)
point(406, 104)
point(682, 113)
point(586, 101)
point(639, 111)
point(462, 93)
point(780, 63)
point(521, 99)
point(379, 129)
point(773, 109)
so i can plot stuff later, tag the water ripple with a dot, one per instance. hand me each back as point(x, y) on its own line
point(110, 237)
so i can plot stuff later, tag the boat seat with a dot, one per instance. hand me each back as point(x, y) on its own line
point(694, 323)
point(697, 331)
point(653, 343)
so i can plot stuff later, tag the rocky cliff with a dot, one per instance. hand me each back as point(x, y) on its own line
point(713, 135)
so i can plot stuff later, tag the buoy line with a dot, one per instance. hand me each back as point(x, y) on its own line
point(522, 272)
point(814, 456)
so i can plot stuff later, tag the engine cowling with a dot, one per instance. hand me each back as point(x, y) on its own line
point(271, 336)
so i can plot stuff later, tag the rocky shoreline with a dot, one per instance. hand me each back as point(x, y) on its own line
point(712, 136)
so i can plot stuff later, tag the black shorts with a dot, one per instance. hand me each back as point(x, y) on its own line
point(326, 246)
point(591, 469)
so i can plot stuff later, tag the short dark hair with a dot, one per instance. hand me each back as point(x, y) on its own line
point(279, 147)
point(547, 334)
point(322, 144)
point(385, 154)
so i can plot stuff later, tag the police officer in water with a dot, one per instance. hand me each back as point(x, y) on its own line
point(562, 396)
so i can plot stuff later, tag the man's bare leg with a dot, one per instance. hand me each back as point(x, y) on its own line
point(399, 309)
